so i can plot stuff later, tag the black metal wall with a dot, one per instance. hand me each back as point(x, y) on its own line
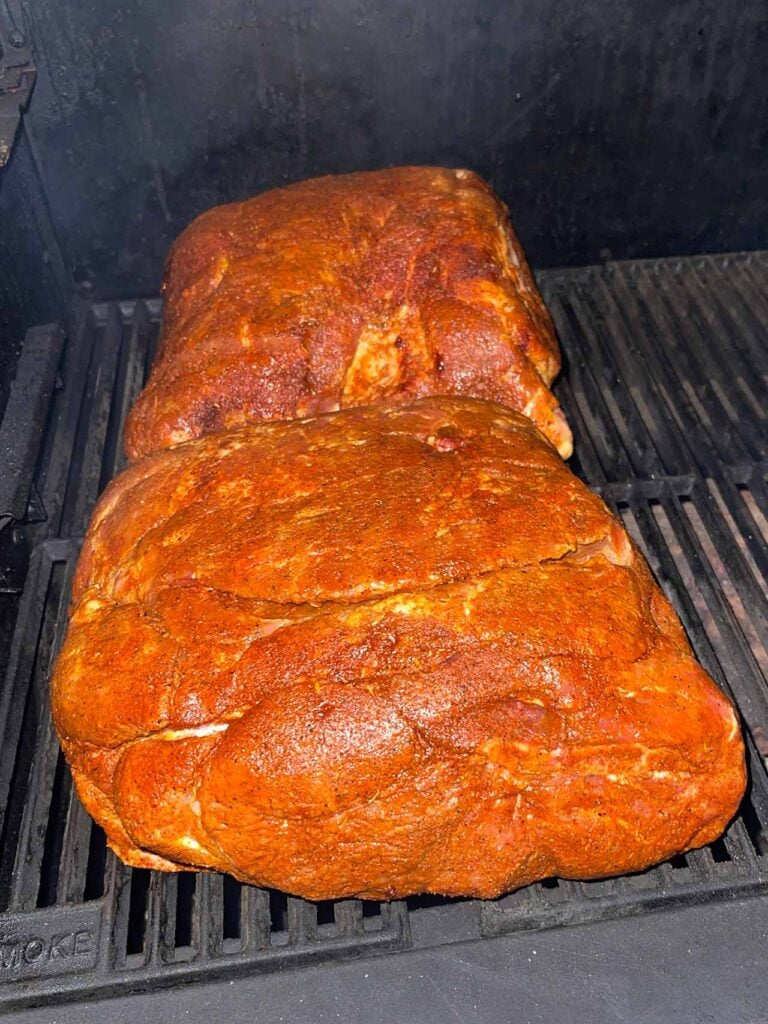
point(611, 128)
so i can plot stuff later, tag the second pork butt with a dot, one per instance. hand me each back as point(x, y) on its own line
point(347, 290)
point(385, 651)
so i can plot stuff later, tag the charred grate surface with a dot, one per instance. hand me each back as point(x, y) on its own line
point(665, 366)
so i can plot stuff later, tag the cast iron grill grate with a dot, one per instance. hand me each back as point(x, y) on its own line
point(665, 365)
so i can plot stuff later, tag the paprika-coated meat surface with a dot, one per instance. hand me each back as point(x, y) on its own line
point(383, 651)
point(347, 290)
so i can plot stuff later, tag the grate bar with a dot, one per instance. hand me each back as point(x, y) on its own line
point(25, 416)
point(683, 295)
point(29, 625)
point(609, 433)
point(26, 873)
point(25, 883)
point(741, 327)
point(56, 459)
point(754, 303)
point(578, 392)
point(585, 460)
point(208, 916)
point(694, 407)
point(348, 915)
point(645, 330)
point(92, 429)
point(255, 918)
point(118, 889)
point(735, 654)
point(302, 921)
point(166, 925)
point(652, 446)
point(741, 849)
point(749, 533)
point(74, 854)
point(129, 378)
point(710, 424)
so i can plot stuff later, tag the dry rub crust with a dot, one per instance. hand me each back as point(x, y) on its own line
point(384, 651)
point(348, 290)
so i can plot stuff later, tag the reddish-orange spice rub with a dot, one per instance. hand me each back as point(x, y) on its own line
point(348, 290)
point(384, 651)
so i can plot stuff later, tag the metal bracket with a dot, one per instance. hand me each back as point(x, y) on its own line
point(17, 77)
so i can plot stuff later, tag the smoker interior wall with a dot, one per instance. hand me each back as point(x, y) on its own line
point(625, 128)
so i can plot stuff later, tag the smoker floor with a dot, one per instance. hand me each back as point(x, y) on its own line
point(665, 368)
